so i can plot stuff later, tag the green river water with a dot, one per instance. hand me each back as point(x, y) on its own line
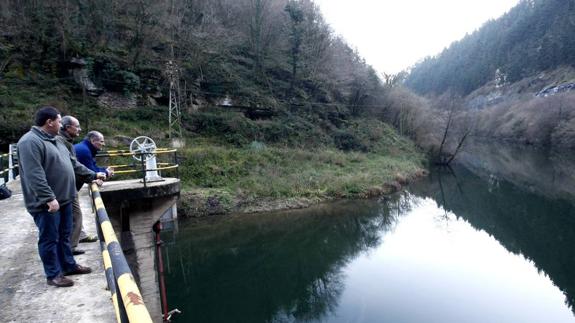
point(491, 240)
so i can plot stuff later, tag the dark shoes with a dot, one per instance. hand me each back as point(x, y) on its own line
point(60, 281)
point(89, 238)
point(79, 270)
point(76, 252)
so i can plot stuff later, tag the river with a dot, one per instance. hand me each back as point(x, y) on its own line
point(491, 240)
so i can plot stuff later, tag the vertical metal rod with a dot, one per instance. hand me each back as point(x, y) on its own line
point(176, 163)
point(170, 109)
point(11, 152)
point(157, 230)
point(1, 170)
point(143, 167)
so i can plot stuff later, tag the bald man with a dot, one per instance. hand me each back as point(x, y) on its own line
point(70, 130)
point(87, 149)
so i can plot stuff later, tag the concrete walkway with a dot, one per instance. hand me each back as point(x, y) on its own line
point(24, 294)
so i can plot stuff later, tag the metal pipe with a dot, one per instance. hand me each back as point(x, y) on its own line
point(164, 298)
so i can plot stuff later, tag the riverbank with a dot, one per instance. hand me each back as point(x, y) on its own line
point(201, 203)
point(219, 180)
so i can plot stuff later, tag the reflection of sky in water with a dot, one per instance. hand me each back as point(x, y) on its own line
point(434, 267)
point(473, 258)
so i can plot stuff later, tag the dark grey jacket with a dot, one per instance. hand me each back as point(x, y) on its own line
point(47, 170)
point(68, 141)
point(81, 177)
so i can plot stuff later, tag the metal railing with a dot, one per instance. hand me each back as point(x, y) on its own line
point(10, 161)
point(126, 297)
point(130, 163)
point(138, 162)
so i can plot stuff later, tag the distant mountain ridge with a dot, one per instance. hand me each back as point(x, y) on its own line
point(534, 36)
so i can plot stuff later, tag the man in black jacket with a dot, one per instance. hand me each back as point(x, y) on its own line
point(71, 129)
point(47, 175)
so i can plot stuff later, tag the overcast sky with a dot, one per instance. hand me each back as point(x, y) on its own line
point(394, 34)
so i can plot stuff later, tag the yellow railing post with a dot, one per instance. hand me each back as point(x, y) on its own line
point(136, 310)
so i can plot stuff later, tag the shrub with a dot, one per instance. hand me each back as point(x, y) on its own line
point(348, 141)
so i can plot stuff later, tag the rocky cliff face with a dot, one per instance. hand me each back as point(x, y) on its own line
point(554, 89)
point(543, 84)
point(538, 110)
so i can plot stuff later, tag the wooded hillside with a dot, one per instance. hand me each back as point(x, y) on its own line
point(278, 56)
point(534, 36)
point(274, 105)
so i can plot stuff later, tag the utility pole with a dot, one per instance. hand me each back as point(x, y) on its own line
point(175, 119)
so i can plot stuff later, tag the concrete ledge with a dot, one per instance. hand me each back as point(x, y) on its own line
point(120, 191)
point(24, 294)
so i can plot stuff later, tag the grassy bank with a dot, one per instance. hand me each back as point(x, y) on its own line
point(218, 179)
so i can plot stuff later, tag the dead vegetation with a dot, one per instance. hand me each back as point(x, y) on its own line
point(547, 121)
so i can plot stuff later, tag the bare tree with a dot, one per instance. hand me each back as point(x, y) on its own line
point(393, 80)
point(456, 130)
point(296, 16)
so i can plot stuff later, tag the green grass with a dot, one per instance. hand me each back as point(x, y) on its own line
point(288, 172)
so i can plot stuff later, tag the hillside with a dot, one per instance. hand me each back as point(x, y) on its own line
point(268, 93)
point(510, 80)
point(277, 56)
point(534, 36)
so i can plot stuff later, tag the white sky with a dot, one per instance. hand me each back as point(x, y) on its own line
point(392, 35)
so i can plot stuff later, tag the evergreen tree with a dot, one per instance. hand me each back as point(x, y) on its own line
point(533, 36)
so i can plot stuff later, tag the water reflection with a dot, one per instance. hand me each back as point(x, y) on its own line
point(546, 173)
point(527, 223)
point(440, 253)
point(274, 267)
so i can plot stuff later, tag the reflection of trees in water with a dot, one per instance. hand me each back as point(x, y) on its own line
point(546, 173)
point(274, 267)
point(322, 297)
point(539, 228)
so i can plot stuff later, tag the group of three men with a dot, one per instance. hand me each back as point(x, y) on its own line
point(52, 171)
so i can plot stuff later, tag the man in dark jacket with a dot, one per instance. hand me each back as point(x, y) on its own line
point(47, 175)
point(87, 149)
point(71, 129)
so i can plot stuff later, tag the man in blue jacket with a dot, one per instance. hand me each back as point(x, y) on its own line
point(86, 153)
point(48, 176)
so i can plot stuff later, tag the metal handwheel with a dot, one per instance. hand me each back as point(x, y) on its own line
point(142, 148)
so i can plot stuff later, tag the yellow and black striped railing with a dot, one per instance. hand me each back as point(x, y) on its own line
point(126, 297)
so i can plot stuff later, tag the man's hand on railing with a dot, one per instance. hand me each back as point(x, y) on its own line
point(98, 182)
